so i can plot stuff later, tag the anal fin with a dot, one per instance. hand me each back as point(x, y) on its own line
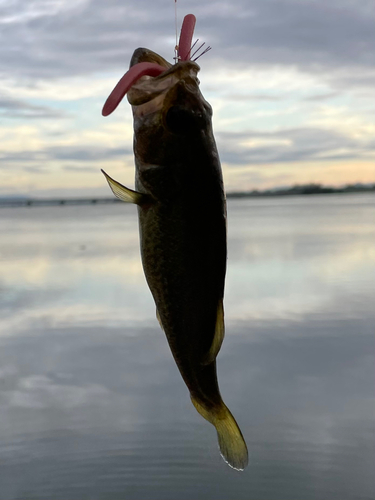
point(218, 337)
point(125, 194)
point(159, 319)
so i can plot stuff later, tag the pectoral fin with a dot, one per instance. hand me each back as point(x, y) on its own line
point(218, 337)
point(125, 194)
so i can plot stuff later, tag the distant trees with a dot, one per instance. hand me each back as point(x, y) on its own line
point(297, 189)
point(301, 189)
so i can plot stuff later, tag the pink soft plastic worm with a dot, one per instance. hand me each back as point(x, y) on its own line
point(129, 79)
point(186, 37)
point(148, 68)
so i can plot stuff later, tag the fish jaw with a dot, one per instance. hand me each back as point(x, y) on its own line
point(176, 88)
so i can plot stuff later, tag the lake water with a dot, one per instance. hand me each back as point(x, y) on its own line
point(92, 405)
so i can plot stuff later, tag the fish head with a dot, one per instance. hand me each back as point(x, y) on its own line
point(172, 120)
point(167, 108)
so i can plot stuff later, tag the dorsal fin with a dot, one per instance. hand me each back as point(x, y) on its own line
point(218, 337)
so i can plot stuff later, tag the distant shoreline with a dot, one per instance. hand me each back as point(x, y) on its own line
point(306, 189)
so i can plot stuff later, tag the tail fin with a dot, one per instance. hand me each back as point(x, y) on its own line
point(232, 445)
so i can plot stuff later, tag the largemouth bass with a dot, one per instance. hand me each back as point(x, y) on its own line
point(182, 222)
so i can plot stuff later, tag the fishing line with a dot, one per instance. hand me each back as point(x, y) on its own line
point(175, 23)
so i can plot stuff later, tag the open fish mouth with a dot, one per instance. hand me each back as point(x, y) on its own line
point(150, 76)
point(173, 91)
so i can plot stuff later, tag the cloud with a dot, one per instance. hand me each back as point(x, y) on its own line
point(322, 97)
point(254, 97)
point(277, 71)
point(247, 147)
point(290, 145)
point(318, 37)
point(68, 152)
point(50, 39)
point(15, 108)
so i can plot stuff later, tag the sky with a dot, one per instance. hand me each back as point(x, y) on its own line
point(291, 83)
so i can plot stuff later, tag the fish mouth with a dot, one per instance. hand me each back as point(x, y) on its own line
point(149, 87)
point(150, 76)
point(173, 99)
point(160, 93)
point(148, 81)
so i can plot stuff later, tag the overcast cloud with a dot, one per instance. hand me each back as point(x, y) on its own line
point(289, 80)
point(47, 39)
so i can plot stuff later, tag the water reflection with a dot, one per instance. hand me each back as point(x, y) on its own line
point(92, 405)
point(297, 256)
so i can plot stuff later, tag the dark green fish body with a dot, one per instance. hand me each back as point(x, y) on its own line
point(182, 221)
point(183, 248)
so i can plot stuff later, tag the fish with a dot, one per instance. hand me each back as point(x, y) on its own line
point(181, 204)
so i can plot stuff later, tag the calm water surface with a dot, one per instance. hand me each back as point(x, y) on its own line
point(92, 405)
